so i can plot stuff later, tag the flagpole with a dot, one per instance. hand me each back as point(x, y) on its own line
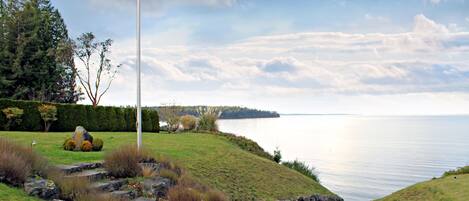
point(139, 101)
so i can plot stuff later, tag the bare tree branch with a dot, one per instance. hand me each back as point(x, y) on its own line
point(85, 49)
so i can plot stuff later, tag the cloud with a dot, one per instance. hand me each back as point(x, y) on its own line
point(430, 58)
point(156, 7)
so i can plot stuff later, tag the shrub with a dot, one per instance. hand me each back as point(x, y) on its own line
point(86, 146)
point(70, 187)
point(13, 169)
point(124, 161)
point(48, 115)
point(189, 122)
point(302, 168)
point(148, 172)
point(98, 144)
point(180, 193)
point(277, 155)
point(170, 114)
point(70, 115)
point(215, 196)
point(69, 144)
point(13, 115)
point(18, 163)
point(173, 176)
point(458, 171)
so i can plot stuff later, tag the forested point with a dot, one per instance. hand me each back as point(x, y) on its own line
point(226, 112)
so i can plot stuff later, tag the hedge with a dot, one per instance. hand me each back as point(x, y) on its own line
point(101, 118)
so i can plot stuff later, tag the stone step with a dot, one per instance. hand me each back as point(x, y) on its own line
point(91, 175)
point(70, 169)
point(144, 199)
point(128, 195)
point(109, 186)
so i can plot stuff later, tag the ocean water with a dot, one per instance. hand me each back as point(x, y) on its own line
point(364, 157)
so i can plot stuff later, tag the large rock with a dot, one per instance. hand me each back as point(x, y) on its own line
point(42, 188)
point(81, 135)
point(320, 198)
point(157, 187)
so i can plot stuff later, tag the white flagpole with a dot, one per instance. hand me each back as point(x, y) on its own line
point(139, 101)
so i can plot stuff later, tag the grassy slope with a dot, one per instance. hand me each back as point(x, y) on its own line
point(211, 159)
point(12, 194)
point(451, 188)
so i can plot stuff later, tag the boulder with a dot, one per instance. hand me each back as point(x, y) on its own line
point(320, 198)
point(42, 188)
point(81, 135)
point(157, 186)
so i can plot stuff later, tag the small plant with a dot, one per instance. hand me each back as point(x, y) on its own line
point(86, 146)
point(173, 176)
point(48, 115)
point(18, 163)
point(98, 144)
point(215, 196)
point(208, 119)
point(181, 193)
point(148, 172)
point(124, 161)
point(302, 168)
point(69, 144)
point(13, 115)
point(277, 155)
point(189, 122)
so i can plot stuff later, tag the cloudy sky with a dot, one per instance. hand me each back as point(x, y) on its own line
point(296, 56)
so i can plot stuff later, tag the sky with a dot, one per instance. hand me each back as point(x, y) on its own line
point(371, 57)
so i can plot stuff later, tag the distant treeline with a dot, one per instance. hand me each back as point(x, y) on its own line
point(228, 112)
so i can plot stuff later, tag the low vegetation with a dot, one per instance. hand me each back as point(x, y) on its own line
point(189, 122)
point(451, 188)
point(302, 168)
point(458, 171)
point(210, 159)
point(34, 116)
point(18, 163)
point(247, 145)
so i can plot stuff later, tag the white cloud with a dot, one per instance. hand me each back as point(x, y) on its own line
point(428, 59)
point(157, 6)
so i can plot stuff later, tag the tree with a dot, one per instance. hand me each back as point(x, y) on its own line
point(87, 50)
point(48, 115)
point(33, 36)
point(170, 114)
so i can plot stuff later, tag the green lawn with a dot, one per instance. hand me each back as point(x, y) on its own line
point(450, 188)
point(11, 194)
point(210, 159)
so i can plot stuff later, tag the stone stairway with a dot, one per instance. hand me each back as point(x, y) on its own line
point(101, 182)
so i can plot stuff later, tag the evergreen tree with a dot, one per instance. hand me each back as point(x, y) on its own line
point(36, 55)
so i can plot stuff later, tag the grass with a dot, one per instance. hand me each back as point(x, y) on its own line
point(13, 194)
point(450, 188)
point(210, 159)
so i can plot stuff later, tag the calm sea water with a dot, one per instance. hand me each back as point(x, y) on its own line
point(364, 157)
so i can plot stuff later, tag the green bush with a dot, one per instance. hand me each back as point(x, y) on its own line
point(71, 115)
point(98, 144)
point(277, 155)
point(69, 144)
point(458, 171)
point(302, 168)
point(13, 116)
